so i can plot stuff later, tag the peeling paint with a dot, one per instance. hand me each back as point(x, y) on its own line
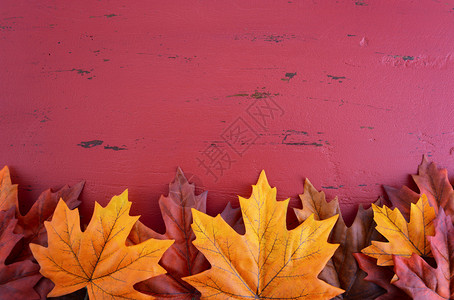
point(330, 187)
point(90, 144)
point(115, 148)
point(299, 138)
point(360, 3)
point(288, 76)
point(259, 94)
point(239, 95)
point(337, 78)
point(419, 62)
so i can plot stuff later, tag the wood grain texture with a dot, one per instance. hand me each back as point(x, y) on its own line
point(348, 93)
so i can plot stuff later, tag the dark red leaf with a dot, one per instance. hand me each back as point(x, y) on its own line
point(431, 181)
point(16, 279)
point(421, 281)
point(31, 226)
point(182, 258)
point(381, 276)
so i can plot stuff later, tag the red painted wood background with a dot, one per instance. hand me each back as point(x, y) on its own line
point(349, 93)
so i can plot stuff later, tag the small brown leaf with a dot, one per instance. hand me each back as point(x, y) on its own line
point(434, 183)
point(342, 270)
point(431, 181)
point(314, 202)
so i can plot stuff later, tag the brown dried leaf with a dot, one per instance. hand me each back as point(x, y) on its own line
point(342, 270)
point(431, 181)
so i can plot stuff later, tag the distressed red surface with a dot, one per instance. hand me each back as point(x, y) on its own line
point(373, 92)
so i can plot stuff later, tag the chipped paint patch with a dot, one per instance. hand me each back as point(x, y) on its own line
point(301, 138)
point(288, 76)
point(418, 62)
point(337, 78)
point(90, 144)
point(330, 187)
point(115, 148)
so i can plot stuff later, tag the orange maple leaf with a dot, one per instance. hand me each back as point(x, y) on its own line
point(98, 257)
point(268, 261)
point(404, 238)
point(31, 225)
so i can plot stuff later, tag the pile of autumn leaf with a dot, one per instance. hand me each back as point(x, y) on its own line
point(402, 252)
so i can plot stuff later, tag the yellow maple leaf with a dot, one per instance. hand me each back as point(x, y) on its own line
point(404, 238)
point(268, 261)
point(8, 191)
point(98, 257)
